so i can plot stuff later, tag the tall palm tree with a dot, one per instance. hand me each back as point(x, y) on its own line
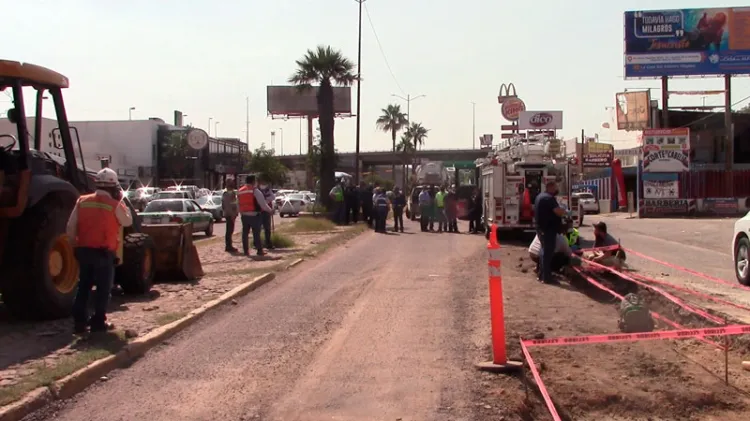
point(407, 150)
point(417, 134)
point(392, 121)
point(324, 66)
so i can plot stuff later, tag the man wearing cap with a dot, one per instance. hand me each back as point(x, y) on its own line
point(548, 217)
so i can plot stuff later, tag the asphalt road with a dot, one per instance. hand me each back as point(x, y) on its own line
point(375, 330)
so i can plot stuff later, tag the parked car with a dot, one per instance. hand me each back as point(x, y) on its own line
point(589, 202)
point(212, 204)
point(173, 194)
point(291, 204)
point(177, 211)
point(218, 192)
point(741, 249)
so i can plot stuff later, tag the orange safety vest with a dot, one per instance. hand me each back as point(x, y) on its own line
point(246, 199)
point(98, 227)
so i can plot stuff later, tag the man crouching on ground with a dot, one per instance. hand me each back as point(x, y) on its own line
point(613, 258)
point(560, 258)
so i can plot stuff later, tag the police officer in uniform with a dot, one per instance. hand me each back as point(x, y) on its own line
point(94, 230)
point(337, 196)
point(382, 204)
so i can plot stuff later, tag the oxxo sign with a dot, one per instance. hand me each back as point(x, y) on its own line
point(512, 105)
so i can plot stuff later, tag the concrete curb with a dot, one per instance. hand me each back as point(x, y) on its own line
point(294, 263)
point(72, 384)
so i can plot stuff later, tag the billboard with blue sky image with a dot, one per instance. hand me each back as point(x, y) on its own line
point(687, 42)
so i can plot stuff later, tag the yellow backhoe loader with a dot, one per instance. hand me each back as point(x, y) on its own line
point(38, 190)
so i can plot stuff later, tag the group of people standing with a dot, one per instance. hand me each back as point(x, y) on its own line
point(441, 206)
point(253, 203)
point(369, 203)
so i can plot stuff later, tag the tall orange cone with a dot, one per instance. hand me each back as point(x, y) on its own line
point(499, 363)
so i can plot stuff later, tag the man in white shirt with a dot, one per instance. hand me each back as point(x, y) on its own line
point(560, 258)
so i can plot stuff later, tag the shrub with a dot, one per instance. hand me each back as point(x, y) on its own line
point(306, 224)
point(281, 241)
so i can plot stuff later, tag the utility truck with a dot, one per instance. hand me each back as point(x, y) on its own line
point(512, 176)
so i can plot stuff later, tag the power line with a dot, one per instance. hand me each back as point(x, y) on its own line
point(382, 52)
point(717, 113)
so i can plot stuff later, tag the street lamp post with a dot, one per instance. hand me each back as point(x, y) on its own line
point(474, 125)
point(281, 130)
point(209, 125)
point(359, 92)
point(273, 139)
point(216, 129)
point(130, 113)
point(408, 100)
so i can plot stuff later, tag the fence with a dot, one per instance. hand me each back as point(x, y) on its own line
point(714, 183)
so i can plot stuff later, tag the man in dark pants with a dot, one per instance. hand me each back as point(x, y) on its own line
point(475, 212)
point(267, 218)
point(251, 204)
point(399, 203)
point(351, 198)
point(229, 206)
point(548, 215)
point(365, 199)
point(94, 230)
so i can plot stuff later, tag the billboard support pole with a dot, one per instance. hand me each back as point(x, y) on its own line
point(359, 93)
point(728, 121)
point(310, 171)
point(664, 102)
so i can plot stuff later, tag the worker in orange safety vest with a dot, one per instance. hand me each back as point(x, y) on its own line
point(252, 204)
point(94, 230)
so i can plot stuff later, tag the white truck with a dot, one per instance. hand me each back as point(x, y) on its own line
point(511, 178)
point(431, 173)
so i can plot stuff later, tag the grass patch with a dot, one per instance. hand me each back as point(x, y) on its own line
point(167, 318)
point(88, 351)
point(281, 241)
point(307, 224)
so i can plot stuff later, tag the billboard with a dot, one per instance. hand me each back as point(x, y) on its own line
point(633, 110)
point(687, 42)
point(540, 120)
point(597, 159)
point(661, 189)
point(666, 150)
point(289, 101)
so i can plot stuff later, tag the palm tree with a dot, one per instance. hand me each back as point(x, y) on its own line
point(326, 67)
point(407, 150)
point(392, 121)
point(417, 134)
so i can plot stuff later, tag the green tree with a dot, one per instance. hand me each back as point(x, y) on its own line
point(417, 135)
point(326, 67)
point(392, 121)
point(745, 109)
point(267, 166)
point(407, 150)
point(313, 155)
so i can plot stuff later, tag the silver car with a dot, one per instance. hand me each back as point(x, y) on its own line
point(588, 202)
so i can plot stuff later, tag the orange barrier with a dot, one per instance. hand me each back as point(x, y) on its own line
point(499, 361)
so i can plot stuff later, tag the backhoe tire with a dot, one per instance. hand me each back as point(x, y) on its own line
point(136, 273)
point(40, 271)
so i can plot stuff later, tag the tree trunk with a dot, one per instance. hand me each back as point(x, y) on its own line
point(393, 157)
point(326, 122)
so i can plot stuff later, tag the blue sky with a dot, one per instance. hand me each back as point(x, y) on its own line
point(205, 57)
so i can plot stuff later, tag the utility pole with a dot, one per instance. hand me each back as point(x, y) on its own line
point(473, 125)
point(359, 92)
point(408, 100)
point(247, 122)
point(281, 130)
point(216, 129)
point(210, 119)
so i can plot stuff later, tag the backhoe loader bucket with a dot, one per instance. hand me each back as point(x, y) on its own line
point(176, 255)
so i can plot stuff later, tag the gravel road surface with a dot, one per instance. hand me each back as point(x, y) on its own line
point(375, 330)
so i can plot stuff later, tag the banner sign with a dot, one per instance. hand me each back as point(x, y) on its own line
point(597, 160)
point(665, 207)
point(721, 206)
point(687, 42)
point(661, 189)
point(633, 110)
point(540, 120)
point(666, 150)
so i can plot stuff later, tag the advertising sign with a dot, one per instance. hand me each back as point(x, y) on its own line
point(486, 141)
point(633, 110)
point(661, 189)
point(687, 42)
point(665, 207)
point(540, 120)
point(597, 159)
point(721, 206)
point(290, 101)
point(512, 108)
point(666, 150)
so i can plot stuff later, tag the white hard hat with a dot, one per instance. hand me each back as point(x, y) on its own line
point(106, 178)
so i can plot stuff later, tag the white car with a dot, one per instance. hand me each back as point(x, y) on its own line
point(588, 202)
point(178, 211)
point(741, 249)
point(291, 204)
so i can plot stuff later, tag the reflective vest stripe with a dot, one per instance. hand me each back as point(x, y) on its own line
point(97, 205)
